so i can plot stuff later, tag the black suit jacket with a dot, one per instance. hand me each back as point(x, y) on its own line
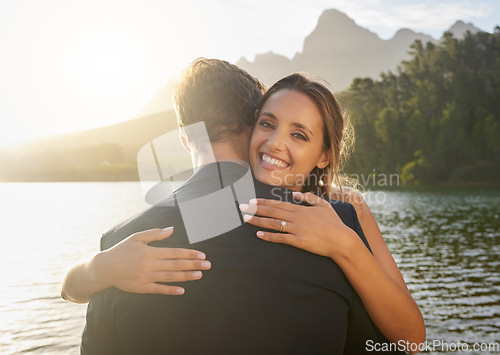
point(258, 297)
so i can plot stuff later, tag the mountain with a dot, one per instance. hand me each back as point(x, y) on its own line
point(460, 28)
point(338, 50)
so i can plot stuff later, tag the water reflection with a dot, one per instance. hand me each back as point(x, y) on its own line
point(446, 243)
point(445, 240)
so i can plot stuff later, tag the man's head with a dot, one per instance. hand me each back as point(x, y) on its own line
point(220, 94)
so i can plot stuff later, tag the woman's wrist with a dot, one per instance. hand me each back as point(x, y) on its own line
point(343, 250)
point(99, 269)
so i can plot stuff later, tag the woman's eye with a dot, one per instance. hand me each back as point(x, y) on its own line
point(266, 124)
point(300, 136)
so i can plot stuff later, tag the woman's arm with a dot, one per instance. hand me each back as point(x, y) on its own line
point(133, 266)
point(318, 229)
point(372, 231)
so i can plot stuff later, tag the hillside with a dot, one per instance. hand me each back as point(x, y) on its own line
point(106, 153)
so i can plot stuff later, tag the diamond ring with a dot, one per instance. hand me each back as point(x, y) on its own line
point(282, 226)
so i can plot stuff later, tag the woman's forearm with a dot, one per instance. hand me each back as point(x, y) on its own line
point(389, 305)
point(83, 280)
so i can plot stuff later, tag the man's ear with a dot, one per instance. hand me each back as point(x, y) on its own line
point(184, 140)
point(324, 160)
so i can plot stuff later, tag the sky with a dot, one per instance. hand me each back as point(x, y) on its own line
point(68, 65)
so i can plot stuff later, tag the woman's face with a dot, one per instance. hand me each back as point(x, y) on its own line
point(287, 142)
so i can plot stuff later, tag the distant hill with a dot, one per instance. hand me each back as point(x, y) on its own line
point(339, 50)
point(106, 153)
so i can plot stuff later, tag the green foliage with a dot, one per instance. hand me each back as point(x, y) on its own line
point(437, 119)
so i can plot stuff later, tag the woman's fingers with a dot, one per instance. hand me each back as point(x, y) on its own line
point(182, 265)
point(266, 211)
point(283, 238)
point(176, 276)
point(268, 223)
point(177, 253)
point(287, 206)
point(152, 235)
point(163, 289)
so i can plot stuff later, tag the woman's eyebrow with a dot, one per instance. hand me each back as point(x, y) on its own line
point(268, 114)
point(300, 125)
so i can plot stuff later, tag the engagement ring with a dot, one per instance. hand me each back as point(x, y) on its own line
point(283, 225)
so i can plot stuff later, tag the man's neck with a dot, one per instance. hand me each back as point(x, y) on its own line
point(235, 150)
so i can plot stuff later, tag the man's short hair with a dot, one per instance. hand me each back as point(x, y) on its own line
point(222, 95)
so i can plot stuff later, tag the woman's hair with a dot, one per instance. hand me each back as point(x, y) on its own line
point(338, 136)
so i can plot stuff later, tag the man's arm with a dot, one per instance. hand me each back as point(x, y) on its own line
point(134, 266)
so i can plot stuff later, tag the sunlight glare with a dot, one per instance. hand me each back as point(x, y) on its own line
point(107, 64)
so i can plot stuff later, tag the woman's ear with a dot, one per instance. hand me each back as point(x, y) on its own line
point(324, 160)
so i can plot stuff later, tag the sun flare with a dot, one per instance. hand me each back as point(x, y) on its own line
point(107, 64)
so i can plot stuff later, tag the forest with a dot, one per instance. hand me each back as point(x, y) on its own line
point(436, 119)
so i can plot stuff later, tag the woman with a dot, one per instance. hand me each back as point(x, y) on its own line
point(297, 143)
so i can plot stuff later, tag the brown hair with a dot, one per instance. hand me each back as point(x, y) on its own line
point(338, 135)
point(222, 95)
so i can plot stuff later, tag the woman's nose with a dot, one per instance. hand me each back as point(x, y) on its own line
point(276, 141)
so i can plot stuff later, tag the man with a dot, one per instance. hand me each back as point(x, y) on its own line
point(258, 298)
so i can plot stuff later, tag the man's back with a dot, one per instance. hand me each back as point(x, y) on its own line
point(258, 297)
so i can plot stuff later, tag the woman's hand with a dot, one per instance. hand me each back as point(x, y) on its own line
point(134, 266)
point(316, 228)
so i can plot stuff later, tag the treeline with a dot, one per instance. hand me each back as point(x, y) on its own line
point(437, 119)
point(105, 162)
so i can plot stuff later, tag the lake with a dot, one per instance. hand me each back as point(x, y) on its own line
point(446, 241)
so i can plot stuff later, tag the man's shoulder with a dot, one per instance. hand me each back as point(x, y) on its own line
point(345, 210)
point(152, 217)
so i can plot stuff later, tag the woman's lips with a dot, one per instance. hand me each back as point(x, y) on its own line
point(272, 163)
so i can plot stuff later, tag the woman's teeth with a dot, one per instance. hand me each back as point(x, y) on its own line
point(267, 159)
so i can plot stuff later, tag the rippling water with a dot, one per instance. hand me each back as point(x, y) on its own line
point(445, 240)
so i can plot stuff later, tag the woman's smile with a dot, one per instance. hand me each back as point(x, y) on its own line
point(271, 162)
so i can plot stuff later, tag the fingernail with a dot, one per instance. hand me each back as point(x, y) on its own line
point(168, 229)
point(197, 274)
point(253, 201)
point(201, 256)
point(179, 291)
point(296, 193)
point(205, 264)
point(260, 234)
point(247, 218)
point(244, 206)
